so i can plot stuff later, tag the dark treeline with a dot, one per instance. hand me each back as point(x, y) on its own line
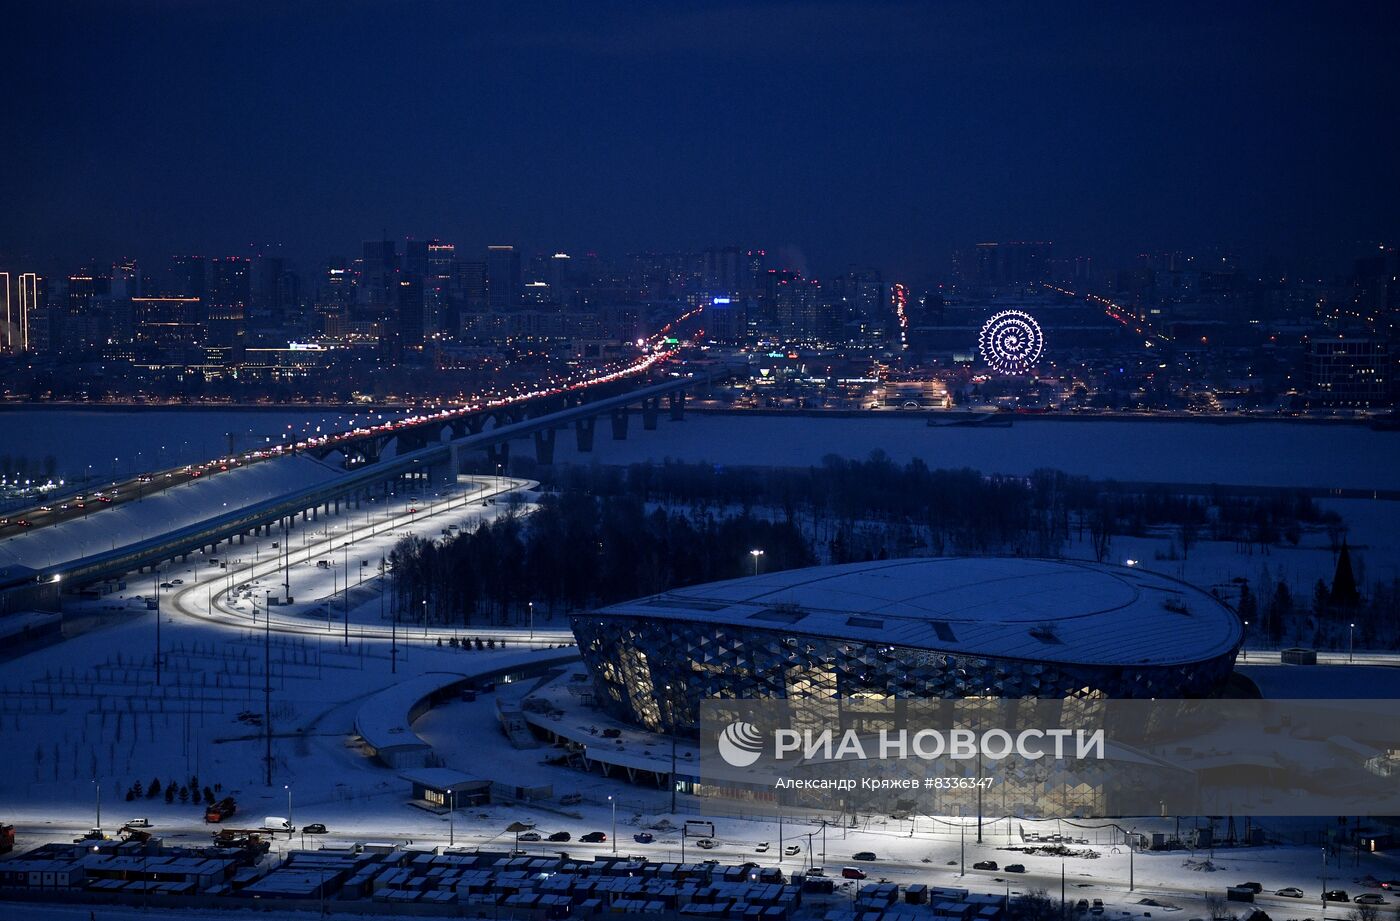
point(21, 467)
point(957, 511)
point(602, 534)
point(575, 551)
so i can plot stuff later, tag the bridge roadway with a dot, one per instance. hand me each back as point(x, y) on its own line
point(433, 463)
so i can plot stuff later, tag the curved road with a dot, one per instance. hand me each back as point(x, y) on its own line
point(206, 599)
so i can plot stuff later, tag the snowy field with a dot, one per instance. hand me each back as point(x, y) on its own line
point(90, 706)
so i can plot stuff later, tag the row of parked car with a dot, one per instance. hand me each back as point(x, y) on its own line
point(1250, 889)
point(592, 837)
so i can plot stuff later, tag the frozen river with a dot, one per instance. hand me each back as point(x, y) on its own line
point(1249, 453)
point(1253, 453)
point(108, 442)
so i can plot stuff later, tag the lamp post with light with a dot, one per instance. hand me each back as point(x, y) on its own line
point(755, 554)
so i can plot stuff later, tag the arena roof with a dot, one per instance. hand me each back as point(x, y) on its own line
point(1043, 610)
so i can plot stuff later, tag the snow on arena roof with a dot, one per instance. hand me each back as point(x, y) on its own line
point(1046, 610)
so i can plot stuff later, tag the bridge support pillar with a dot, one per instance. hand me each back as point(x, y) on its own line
point(619, 424)
point(443, 474)
point(583, 431)
point(499, 456)
point(650, 413)
point(476, 423)
point(241, 539)
point(677, 401)
point(544, 446)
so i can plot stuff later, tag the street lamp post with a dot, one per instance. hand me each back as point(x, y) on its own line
point(1132, 849)
point(1324, 882)
point(614, 824)
point(755, 554)
point(1351, 643)
point(288, 788)
point(532, 622)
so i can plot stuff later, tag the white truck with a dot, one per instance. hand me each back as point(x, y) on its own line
point(278, 823)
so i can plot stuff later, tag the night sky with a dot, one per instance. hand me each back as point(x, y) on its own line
point(836, 132)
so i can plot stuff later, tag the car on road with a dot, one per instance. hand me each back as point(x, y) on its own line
point(853, 873)
point(167, 585)
point(1015, 868)
point(1255, 888)
point(559, 836)
point(139, 823)
point(864, 855)
point(1290, 892)
point(792, 850)
point(1391, 885)
point(177, 581)
point(315, 828)
point(1336, 895)
point(708, 844)
point(594, 837)
point(985, 865)
point(762, 847)
point(644, 837)
point(1370, 898)
point(530, 836)
point(1097, 907)
point(1081, 907)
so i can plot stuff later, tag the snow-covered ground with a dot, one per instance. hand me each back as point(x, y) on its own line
point(89, 708)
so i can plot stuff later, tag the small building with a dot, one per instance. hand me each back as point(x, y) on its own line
point(442, 788)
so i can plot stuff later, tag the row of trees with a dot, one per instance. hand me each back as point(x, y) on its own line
point(22, 467)
point(959, 510)
point(575, 551)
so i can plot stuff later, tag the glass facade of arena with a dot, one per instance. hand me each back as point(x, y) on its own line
point(654, 671)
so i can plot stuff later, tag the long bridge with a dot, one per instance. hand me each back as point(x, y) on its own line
point(422, 451)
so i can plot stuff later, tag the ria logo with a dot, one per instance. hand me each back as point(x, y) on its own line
point(740, 744)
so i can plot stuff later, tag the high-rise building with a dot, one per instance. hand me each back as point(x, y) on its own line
point(502, 277)
point(471, 279)
point(36, 325)
point(1349, 371)
point(1004, 264)
point(186, 277)
point(724, 270)
point(378, 272)
point(126, 280)
point(410, 313)
point(226, 308)
point(7, 315)
point(559, 274)
point(87, 323)
point(167, 327)
point(272, 290)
